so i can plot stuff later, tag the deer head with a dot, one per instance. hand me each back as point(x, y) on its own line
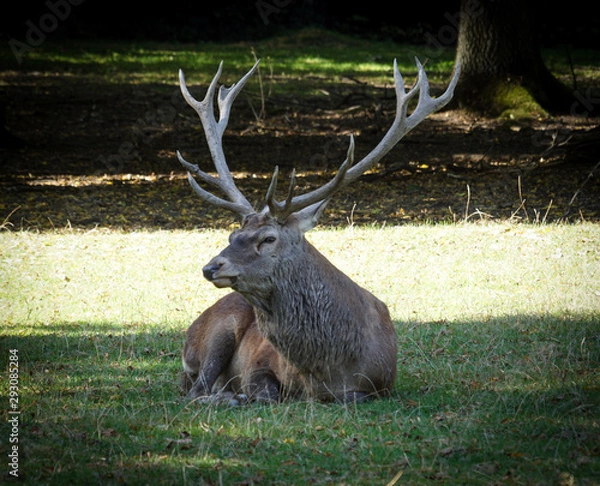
point(275, 228)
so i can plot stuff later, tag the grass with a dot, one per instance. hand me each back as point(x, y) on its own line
point(300, 63)
point(312, 51)
point(499, 362)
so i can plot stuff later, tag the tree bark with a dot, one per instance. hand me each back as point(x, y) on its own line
point(499, 53)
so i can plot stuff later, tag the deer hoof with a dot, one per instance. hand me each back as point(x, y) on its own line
point(238, 400)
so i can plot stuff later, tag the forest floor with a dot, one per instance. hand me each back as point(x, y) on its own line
point(96, 154)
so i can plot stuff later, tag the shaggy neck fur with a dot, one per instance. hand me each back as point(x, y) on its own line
point(308, 315)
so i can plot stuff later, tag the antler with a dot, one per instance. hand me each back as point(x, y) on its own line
point(213, 131)
point(347, 173)
point(402, 124)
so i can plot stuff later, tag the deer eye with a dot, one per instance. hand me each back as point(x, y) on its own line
point(266, 240)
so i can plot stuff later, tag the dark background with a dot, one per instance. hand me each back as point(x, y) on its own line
point(575, 24)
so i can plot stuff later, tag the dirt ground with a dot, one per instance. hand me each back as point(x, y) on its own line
point(91, 155)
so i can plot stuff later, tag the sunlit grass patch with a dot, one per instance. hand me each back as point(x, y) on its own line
point(498, 363)
point(324, 55)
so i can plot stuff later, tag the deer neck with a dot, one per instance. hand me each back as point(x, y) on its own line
point(308, 316)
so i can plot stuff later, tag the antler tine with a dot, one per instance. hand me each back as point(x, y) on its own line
point(213, 131)
point(291, 205)
point(277, 209)
point(269, 197)
point(402, 124)
point(236, 207)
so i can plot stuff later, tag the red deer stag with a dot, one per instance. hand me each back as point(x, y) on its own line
point(296, 325)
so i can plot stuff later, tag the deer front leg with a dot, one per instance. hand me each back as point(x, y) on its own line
point(215, 361)
point(211, 344)
point(207, 353)
point(207, 377)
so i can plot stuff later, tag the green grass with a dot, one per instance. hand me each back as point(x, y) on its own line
point(325, 55)
point(499, 362)
point(311, 52)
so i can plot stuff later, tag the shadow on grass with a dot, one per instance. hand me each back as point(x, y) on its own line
point(112, 160)
point(512, 399)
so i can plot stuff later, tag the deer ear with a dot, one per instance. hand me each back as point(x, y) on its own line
point(307, 218)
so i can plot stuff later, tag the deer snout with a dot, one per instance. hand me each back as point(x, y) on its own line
point(217, 272)
point(209, 271)
point(212, 268)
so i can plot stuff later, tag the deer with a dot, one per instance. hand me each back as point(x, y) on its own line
point(295, 326)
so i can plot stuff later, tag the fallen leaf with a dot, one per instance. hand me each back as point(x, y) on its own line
point(108, 433)
point(486, 468)
point(184, 443)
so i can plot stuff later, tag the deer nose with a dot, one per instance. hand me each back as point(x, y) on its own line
point(210, 270)
point(212, 267)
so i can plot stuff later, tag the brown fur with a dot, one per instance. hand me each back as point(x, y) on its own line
point(296, 327)
point(225, 352)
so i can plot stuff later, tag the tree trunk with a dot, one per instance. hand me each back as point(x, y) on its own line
point(501, 63)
